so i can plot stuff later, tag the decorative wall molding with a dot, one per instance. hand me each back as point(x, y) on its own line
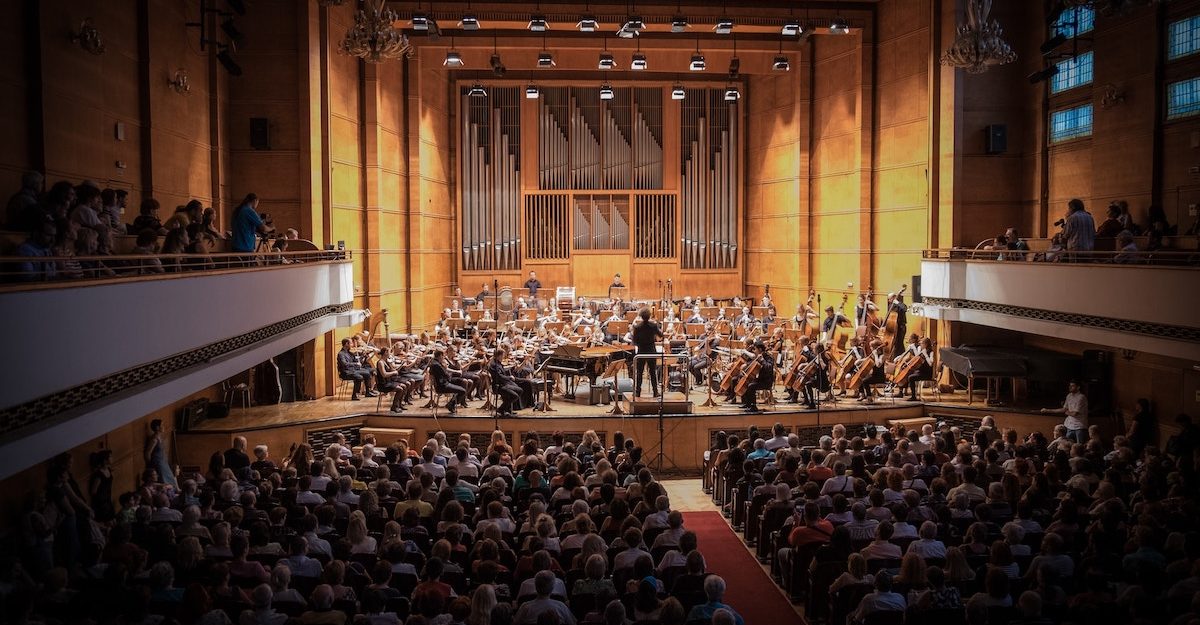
point(1157, 330)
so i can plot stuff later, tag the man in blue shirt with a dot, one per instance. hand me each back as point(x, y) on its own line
point(247, 225)
point(714, 590)
point(36, 246)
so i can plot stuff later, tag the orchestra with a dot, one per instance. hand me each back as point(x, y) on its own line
point(505, 356)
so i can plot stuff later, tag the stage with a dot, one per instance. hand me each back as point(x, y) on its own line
point(685, 436)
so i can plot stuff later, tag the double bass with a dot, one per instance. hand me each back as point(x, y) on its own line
point(806, 326)
point(841, 333)
point(888, 330)
point(868, 321)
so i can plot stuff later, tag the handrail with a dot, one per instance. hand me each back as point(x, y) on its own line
point(1156, 258)
point(22, 272)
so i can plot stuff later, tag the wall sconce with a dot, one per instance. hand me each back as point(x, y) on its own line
point(1111, 97)
point(179, 82)
point(88, 37)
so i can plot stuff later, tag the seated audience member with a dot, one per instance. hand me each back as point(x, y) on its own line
point(38, 245)
point(881, 600)
point(714, 593)
point(530, 612)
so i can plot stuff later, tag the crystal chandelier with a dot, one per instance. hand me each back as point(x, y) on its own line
point(374, 37)
point(979, 42)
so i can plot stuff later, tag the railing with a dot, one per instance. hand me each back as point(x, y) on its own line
point(24, 272)
point(1164, 258)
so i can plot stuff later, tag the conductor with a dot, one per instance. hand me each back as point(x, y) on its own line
point(645, 336)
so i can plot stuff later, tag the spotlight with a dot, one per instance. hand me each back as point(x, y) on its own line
point(781, 64)
point(498, 68)
point(237, 6)
point(677, 92)
point(469, 22)
point(679, 24)
point(697, 64)
point(477, 91)
point(420, 21)
point(638, 62)
point(792, 28)
point(228, 63)
point(1043, 74)
point(232, 31)
point(724, 26)
point(839, 26)
point(532, 92)
point(732, 94)
point(538, 24)
point(1051, 44)
point(545, 59)
point(588, 24)
point(735, 65)
point(453, 59)
point(607, 61)
point(606, 92)
point(634, 24)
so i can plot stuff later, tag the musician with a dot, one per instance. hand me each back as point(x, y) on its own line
point(764, 380)
point(746, 319)
point(645, 334)
point(708, 301)
point(695, 317)
point(925, 370)
point(705, 353)
point(387, 378)
point(487, 291)
point(900, 311)
point(350, 367)
point(465, 369)
point(850, 360)
point(616, 284)
point(863, 309)
point(456, 310)
point(444, 382)
point(766, 300)
point(585, 320)
point(819, 380)
point(832, 320)
point(522, 372)
point(768, 318)
point(803, 355)
point(533, 284)
point(503, 384)
point(877, 376)
point(549, 315)
point(804, 315)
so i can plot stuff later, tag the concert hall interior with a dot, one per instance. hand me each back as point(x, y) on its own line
point(303, 227)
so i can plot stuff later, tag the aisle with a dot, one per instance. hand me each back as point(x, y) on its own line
point(748, 587)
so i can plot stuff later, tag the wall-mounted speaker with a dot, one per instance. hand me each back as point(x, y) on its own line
point(260, 133)
point(996, 141)
point(916, 289)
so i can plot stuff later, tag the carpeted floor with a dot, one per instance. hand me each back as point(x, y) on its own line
point(748, 588)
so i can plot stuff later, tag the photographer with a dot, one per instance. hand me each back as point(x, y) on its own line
point(247, 225)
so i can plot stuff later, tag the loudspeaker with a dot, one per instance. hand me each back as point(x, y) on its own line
point(997, 138)
point(194, 412)
point(260, 133)
point(916, 289)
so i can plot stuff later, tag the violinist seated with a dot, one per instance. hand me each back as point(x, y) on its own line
point(764, 379)
point(695, 317)
point(705, 353)
point(350, 367)
point(746, 319)
point(444, 381)
point(503, 384)
point(522, 372)
point(876, 375)
point(469, 370)
point(388, 379)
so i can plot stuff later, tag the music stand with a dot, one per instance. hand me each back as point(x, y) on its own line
point(456, 325)
point(614, 368)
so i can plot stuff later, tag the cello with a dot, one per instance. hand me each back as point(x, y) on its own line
point(906, 368)
point(749, 375)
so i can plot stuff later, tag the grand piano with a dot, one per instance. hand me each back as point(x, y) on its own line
point(575, 360)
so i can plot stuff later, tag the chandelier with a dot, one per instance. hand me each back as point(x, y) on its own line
point(374, 37)
point(979, 42)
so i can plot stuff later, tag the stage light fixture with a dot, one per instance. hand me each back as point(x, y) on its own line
point(1043, 74)
point(1053, 43)
point(679, 24)
point(607, 61)
point(469, 22)
point(724, 26)
point(453, 59)
point(532, 92)
point(538, 24)
point(606, 92)
point(420, 21)
point(477, 91)
point(588, 24)
point(732, 94)
point(697, 64)
point(639, 62)
point(545, 60)
point(634, 24)
point(791, 28)
point(839, 26)
point(677, 92)
point(781, 64)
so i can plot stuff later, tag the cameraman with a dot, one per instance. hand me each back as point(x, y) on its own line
point(247, 225)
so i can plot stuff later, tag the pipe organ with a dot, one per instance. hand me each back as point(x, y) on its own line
point(604, 180)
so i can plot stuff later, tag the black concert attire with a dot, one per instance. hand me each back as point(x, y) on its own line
point(924, 372)
point(704, 357)
point(350, 367)
point(523, 377)
point(504, 386)
point(533, 284)
point(469, 376)
point(444, 384)
point(763, 381)
point(645, 338)
point(878, 375)
point(792, 394)
point(695, 318)
point(901, 313)
point(819, 382)
point(482, 295)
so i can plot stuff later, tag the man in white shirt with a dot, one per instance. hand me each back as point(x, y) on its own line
point(529, 611)
point(345, 495)
point(306, 496)
point(927, 436)
point(880, 548)
point(882, 600)
point(779, 440)
point(968, 486)
point(1075, 407)
point(861, 528)
point(633, 549)
point(316, 544)
point(658, 518)
point(429, 465)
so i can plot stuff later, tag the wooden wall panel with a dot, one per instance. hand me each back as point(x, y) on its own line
point(14, 110)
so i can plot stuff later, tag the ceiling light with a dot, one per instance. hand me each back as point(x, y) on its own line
point(1043, 74)
point(588, 24)
point(839, 26)
point(677, 92)
point(469, 22)
point(634, 23)
point(420, 21)
point(732, 94)
point(735, 65)
point(697, 64)
point(532, 92)
point(781, 64)
point(679, 24)
point(545, 59)
point(538, 24)
point(638, 62)
point(791, 28)
point(724, 26)
point(453, 59)
point(607, 61)
point(606, 92)
point(477, 91)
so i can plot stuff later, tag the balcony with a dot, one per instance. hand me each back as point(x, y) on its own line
point(1148, 305)
point(89, 355)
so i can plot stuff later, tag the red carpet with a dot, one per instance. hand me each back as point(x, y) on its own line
point(748, 588)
